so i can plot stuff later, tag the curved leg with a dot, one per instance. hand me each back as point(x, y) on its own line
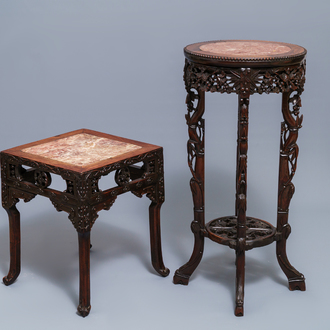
point(155, 239)
point(183, 274)
point(288, 159)
point(84, 273)
point(196, 165)
point(15, 245)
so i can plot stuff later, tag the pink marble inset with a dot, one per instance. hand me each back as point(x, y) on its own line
point(245, 48)
point(81, 149)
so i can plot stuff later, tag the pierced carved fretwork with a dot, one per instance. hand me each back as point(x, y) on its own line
point(196, 125)
point(224, 230)
point(82, 199)
point(212, 71)
point(151, 166)
point(83, 217)
point(288, 163)
point(95, 185)
point(228, 80)
point(123, 177)
point(42, 179)
point(289, 135)
point(18, 183)
point(70, 187)
point(195, 105)
point(19, 194)
point(11, 196)
point(12, 171)
point(156, 192)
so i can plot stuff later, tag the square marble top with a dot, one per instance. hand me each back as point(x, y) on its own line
point(80, 151)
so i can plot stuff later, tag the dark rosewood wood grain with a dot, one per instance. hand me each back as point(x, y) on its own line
point(15, 245)
point(287, 168)
point(278, 73)
point(84, 306)
point(196, 106)
point(25, 175)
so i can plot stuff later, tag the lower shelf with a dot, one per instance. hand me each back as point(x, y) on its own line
point(224, 231)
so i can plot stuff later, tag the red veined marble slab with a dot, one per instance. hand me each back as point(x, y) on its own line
point(81, 149)
point(245, 48)
point(245, 53)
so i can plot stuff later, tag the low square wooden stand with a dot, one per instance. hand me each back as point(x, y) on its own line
point(81, 158)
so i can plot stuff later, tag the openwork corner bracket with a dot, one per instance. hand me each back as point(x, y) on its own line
point(83, 217)
point(156, 192)
point(11, 196)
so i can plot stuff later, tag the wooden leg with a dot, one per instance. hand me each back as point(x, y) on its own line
point(155, 239)
point(84, 273)
point(182, 275)
point(240, 278)
point(196, 164)
point(288, 161)
point(241, 189)
point(295, 278)
point(15, 245)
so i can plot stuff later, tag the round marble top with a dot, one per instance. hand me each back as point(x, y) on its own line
point(245, 53)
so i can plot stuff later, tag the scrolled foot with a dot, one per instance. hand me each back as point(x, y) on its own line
point(163, 272)
point(179, 278)
point(83, 310)
point(297, 284)
point(10, 279)
point(239, 310)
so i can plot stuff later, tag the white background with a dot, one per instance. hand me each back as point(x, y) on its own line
point(116, 67)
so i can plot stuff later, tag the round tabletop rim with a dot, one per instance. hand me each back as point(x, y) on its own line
point(295, 55)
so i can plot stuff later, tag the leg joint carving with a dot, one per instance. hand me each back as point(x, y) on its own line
point(83, 217)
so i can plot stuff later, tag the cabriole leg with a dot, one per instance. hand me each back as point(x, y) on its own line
point(155, 239)
point(288, 160)
point(15, 245)
point(195, 124)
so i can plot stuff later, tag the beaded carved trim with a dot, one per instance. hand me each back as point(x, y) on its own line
point(251, 59)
